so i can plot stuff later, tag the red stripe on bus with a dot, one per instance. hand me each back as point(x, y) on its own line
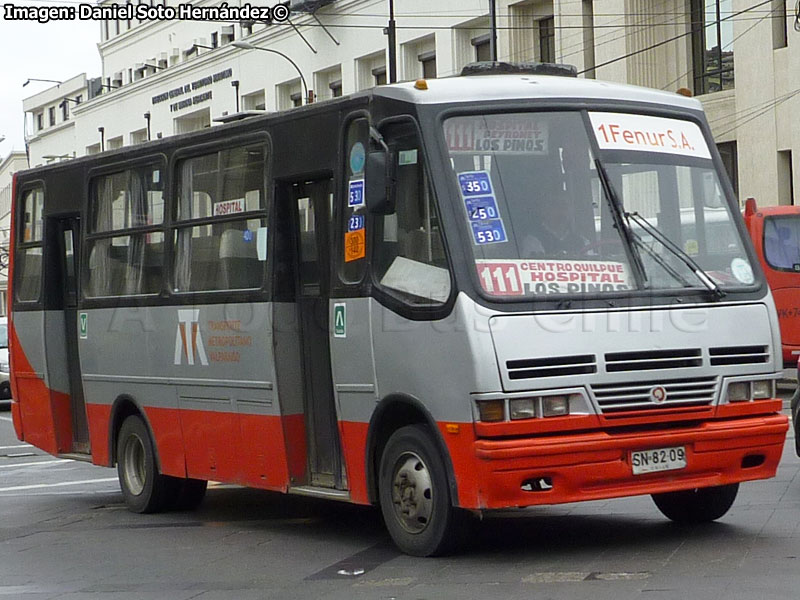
point(44, 414)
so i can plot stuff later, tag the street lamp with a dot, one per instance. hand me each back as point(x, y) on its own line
point(249, 46)
point(47, 80)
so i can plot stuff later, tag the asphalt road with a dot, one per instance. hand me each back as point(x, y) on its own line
point(64, 533)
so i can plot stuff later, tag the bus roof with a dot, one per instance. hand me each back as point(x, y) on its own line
point(483, 88)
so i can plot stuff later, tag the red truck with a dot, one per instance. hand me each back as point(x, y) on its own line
point(775, 231)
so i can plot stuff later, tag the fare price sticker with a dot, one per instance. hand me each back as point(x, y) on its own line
point(481, 206)
point(643, 133)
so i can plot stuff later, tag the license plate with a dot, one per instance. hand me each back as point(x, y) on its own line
point(658, 459)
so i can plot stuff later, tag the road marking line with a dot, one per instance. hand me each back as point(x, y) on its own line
point(39, 462)
point(5, 419)
point(15, 447)
point(39, 486)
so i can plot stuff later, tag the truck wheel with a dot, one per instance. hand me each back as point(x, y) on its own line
point(700, 505)
point(415, 495)
point(144, 488)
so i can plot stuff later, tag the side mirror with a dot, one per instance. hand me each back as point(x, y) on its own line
point(379, 183)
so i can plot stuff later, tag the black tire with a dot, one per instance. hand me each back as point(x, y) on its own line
point(700, 505)
point(144, 488)
point(415, 495)
point(188, 494)
point(5, 390)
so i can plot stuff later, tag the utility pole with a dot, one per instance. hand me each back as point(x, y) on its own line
point(493, 35)
point(391, 32)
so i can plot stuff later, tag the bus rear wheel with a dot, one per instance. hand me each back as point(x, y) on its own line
point(415, 495)
point(700, 505)
point(144, 488)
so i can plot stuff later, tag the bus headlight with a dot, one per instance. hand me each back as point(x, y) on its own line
point(739, 391)
point(555, 406)
point(763, 389)
point(744, 391)
point(522, 408)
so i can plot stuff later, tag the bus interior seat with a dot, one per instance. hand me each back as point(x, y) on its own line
point(239, 266)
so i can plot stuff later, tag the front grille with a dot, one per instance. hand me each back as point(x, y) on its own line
point(645, 360)
point(555, 366)
point(738, 355)
point(614, 397)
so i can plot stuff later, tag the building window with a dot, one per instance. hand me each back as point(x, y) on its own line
point(712, 45)
point(727, 152)
point(785, 178)
point(380, 75)
point(483, 50)
point(336, 88)
point(779, 28)
point(51, 115)
point(247, 27)
point(547, 40)
point(214, 39)
point(297, 99)
point(39, 121)
point(428, 60)
point(64, 110)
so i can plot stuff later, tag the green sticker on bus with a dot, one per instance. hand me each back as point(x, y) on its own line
point(339, 320)
point(83, 320)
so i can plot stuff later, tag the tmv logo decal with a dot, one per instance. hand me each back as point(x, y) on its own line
point(188, 341)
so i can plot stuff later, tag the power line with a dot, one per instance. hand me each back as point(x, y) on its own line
point(767, 108)
point(672, 39)
point(689, 72)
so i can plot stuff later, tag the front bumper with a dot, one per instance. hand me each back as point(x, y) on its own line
point(596, 465)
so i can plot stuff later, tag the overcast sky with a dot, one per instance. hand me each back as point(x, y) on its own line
point(56, 50)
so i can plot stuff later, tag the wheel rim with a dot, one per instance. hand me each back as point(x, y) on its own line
point(133, 461)
point(412, 492)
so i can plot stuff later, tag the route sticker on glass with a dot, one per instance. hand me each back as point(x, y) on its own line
point(357, 158)
point(644, 133)
point(488, 232)
point(543, 277)
point(355, 223)
point(481, 208)
point(355, 245)
point(84, 325)
point(475, 183)
point(355, 194)
point(742, 270)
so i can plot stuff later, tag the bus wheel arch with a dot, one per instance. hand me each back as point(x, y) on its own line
point(124, 406)
point(393, 413)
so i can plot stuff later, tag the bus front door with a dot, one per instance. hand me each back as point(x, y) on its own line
point(63, 331)
point(311, 203)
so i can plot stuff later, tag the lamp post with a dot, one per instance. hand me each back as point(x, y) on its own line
point(391, 34)
point(249, 46)
point(47, 80)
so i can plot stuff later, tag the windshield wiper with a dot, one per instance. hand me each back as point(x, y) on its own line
point(618, 216)
point(704, 277)
point(664, 264)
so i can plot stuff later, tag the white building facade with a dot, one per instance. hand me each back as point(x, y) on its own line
point(163, 78)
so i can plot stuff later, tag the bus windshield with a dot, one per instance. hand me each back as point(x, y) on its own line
point(540, 222)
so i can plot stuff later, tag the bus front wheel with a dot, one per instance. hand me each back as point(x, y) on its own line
point(700, 505)
point(144, 488)
point(415, 496)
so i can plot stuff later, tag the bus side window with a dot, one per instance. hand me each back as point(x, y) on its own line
point(28, 271)
point(126, 265)
point(409, 259)
point(220, 210)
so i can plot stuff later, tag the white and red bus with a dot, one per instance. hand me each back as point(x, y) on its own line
point(442, 297)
